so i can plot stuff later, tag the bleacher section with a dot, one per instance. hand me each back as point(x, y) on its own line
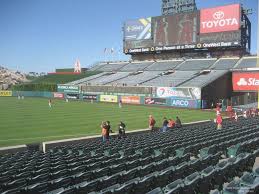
point(163, 65)
point(111, 66)
point(136, 66)
point(171, 80)
point(248, 62)
point(194, 159)
point(196, 64)
point(184, 72)
point(85, 80)
point(204, 79)
point(136, 78)
point(225, 63)
point(109, 78)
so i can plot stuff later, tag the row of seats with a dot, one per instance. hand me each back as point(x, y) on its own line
point(69, 166)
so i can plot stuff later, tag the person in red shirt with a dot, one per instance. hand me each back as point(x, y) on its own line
point(219, 121)
point(171, 123)
point(104, 131)
point(151, 122)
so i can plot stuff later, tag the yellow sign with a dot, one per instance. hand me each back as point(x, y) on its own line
point(6, 93)
point(108, 98)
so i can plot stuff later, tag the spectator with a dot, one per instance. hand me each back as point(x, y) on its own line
point(171, 124)
point(104, 131)
point(121, 129)
point(236, 116)
point(151, 122)
point(108, 128)
point(245, 114)
point(219, 121)
point(164, 127)
point(178, 122)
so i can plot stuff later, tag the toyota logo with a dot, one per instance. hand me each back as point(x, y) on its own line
point(218, 15)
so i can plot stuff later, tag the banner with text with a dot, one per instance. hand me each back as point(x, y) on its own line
point(58, 95)
point(185, 103)
point(68, 88)
point(108, 98)
point(130, 99)
point(158, 101)
point(5, 93)
point(90, 97)
point(186, 93)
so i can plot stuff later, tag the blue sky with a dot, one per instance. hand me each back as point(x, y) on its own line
point(41, 35)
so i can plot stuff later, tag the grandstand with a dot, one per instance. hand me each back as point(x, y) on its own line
point(193, 159)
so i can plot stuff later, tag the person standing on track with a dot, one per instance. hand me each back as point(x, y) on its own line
point(120, 103)
point(151, 122)
point(50, 103)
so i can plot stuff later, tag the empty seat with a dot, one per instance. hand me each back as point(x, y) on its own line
point(174, 187)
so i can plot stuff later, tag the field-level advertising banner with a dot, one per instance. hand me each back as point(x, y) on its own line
point(90, 97)
point(245, 81)
point(130, 99)
point(185, 103)
point(68, 88)
point(58, 95)
point(137, 29)
point(108, 98)
point(158, 101)
point(220, 19)
point(72, 96)
point(6, 93)
point(186, 93)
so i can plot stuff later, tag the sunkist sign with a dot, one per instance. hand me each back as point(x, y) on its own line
point(245, 81)
point(220, 19)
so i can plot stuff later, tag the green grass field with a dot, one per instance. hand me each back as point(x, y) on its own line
point(61, 79)
point(31, 120)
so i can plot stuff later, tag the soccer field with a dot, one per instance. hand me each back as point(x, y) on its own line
point(31, 120)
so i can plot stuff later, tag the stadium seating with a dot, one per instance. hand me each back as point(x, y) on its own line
point(163, 65)
point(136, 66)
point(225, 63)
point(136, 78)
point(204, 79)
point(247, 62)
point(196, 64)
point(172, 79)
point(111, 66)
point(187, 160)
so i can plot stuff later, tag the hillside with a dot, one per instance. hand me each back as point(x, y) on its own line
point(9, 78)
point(61, 79)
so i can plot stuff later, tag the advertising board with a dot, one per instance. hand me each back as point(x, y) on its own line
point(158, 101)
point(245, 81)
point(221, 37)
point(178, 29)
point(68, 88)
point(130, 99)
point(171, 92)
point(220, 19)
point(58, 95)
point(72, 96)
point(137, 29)
point(6, 93)
point(185, 103)
point(89, 97)
point(108, 98)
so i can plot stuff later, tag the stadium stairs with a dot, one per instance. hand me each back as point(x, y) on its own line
point(193, 159)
